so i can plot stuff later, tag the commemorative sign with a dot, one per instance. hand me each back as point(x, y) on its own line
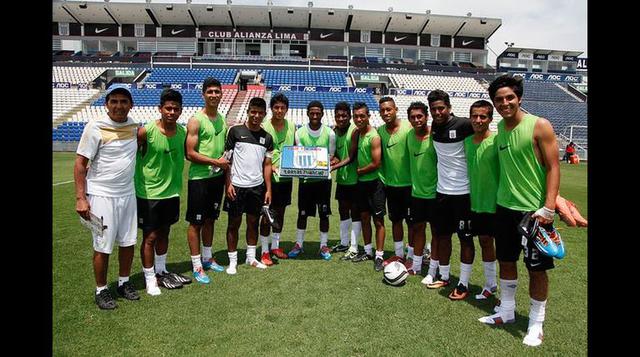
point(305, 161)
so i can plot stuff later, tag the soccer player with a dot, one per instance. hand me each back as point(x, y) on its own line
point(346, 180)
point(452, 211)
point(248, 182)
point(314, 193)
point(105, 188)
point(395, 166)
point(365, 144)
point(528, 185)
point(204, 147)
point(282, 131)
point(424, 179)
point(483, 168)
point(158, 183)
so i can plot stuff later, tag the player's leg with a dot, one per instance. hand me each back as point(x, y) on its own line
point(213, 197)
point(323, 197)
point(102, 249)
point(253, 198)
point(126, 237)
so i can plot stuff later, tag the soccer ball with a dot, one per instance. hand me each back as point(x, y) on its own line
point(395, 273)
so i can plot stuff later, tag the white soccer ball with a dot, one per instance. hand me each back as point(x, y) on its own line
point(395, 273)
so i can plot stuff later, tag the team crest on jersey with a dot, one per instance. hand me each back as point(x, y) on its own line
point(261, 140)
point(452, 134)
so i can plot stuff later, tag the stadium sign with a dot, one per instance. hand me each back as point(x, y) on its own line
point(582, 64)
point(304, 161)
point(257, 35)
point(312, 89)
point(61, 85)
point(549, 77)
point(424, 93)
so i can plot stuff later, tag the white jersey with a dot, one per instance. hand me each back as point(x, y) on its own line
point(111, 148)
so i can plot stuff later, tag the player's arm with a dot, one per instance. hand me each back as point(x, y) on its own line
point(332, 144)
point(266, 168)
point(353, 151)
point(376, 157)
point(142, 140)
point(548, 145)
point(80, 178)
point(193, 126)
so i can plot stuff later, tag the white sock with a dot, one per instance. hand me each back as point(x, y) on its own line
point(489, 274)
point(264, 240)
point(444, 271)
point(275, 240)
point(149, 273)
point(251, 253)
point(151, 282)
point(356, 228)
point(536, 316)
point(160, 263)
point(324, 238)
point(508, 295)
point(206, 253)
point(368, 249)
point(233, 261)
point(433, 267)
point(398, 248)
point(99, 289)
point(300, 236)
point(122, 280)
point(465, 272)
point(196, 262)
point(417, 263)
point(410, 252)
point(380, 253)
point(344, 231)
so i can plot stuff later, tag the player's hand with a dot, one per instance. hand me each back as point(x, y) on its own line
point(83, 208)
point(334, 161)
point(544, 215)
point(267, 197)
point(231, 193)
point(222, 163)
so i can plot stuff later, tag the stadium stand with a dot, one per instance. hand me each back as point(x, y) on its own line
point(446, 83)
point(76, 75)
point(313, 78)
point(196, 75)
point(64, 100)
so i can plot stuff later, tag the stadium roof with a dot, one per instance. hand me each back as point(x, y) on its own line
point(280, 17)
point(536, 51)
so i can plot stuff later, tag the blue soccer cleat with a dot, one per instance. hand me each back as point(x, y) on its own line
point(201, 277)
point(297, 249)
point(211, 264)
point(543, 242)
point(554, 235)
point(325, 253)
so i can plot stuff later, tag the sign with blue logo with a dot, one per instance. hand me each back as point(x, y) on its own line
point(305, 161)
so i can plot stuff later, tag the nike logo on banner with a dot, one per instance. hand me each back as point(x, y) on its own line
point(418, 153)
point(396, 38)
point(325, 35)
point(389, 146)
point(102, 30)
point(503, 147)
point(174, 32)
point(464, 43)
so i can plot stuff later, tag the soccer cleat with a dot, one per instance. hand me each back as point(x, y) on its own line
point(554, 235)
point(270, 215)
point(394, 258)
point(166, 281)
point(438, 284)
point(427, 280)
point(105, 300)
point(498, 319)
point(325, 253)
point(256, 264)
point(278, 253)
point(338, 248)
point(378, 264)
point(266, 259)
point(486, 293)
point(201, 277)
point(295, 251)
point(543, 242)
point(127, 291)
point(361, 257)
point(179, 278)
point(459, 292)
point(533, 339)
point(350, 254)
point(528, 226)
point(211, 264)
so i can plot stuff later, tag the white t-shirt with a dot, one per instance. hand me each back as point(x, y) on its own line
point(111, 148)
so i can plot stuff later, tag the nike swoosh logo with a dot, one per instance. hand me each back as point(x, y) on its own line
point(168, 151)
point(243, 137)
point(174, 32)
point(418, 153)
point(325, 35)
point(503, 147)
point(396, 38)
point(280, 143)
point(389, 146)
point(102, 30)
point(464, 43)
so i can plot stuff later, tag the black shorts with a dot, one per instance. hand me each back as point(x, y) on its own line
point(398, 202)
point(203, 199)
point(509, 242)
point(345, 192)
point(281, 193)
point(248, 200)
point(153, 214)
point(483, 224)
point(314, 195)
point(420, 210)
point(371, 197)
point(452, 213)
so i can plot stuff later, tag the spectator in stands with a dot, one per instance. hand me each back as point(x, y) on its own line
point(346, 180)
point(248, 181)
point(314, 193)
point(204, 147)
point(569, 151)
point(105, 189)
point(158, 183)
point(282, 131)
point(528, 185)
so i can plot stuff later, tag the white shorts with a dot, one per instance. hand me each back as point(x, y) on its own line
point(120, 215)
